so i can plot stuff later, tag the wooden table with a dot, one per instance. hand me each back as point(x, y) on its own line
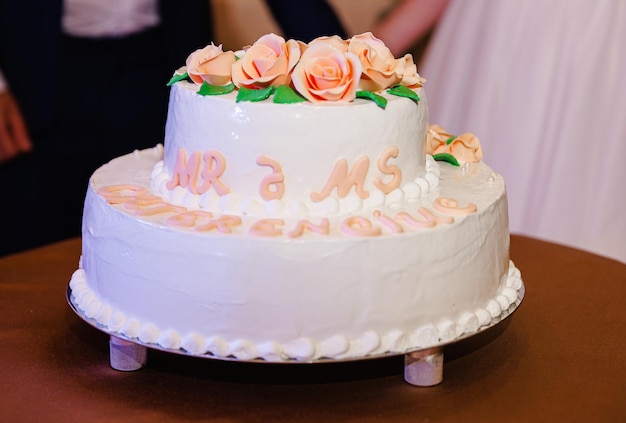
point(560, 357)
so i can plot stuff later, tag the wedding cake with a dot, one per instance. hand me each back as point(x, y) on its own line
point(300, 208)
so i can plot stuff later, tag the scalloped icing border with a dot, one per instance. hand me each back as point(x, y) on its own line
point(302, 349)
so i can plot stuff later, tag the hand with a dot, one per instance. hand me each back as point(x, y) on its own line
point(14, 138)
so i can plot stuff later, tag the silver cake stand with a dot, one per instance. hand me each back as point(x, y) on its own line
point(422, 367)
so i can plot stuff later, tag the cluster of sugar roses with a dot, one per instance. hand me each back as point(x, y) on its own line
point(456, 150)
point(327, 69)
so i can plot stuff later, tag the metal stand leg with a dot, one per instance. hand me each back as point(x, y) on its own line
point(424, 368)
point(126, 356)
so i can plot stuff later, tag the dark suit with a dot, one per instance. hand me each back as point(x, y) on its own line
point(85, 101)
point(305, 20)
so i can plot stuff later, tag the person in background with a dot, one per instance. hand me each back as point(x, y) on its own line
point(542, 86)
point(305, 20)
point(83, 81)
point(408, 23)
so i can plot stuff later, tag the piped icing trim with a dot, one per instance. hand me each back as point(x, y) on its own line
point(270, 202)
point(338, 346)
point(136, 202)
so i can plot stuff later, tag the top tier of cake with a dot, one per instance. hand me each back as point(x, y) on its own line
point(262, 158)
point(284, 128)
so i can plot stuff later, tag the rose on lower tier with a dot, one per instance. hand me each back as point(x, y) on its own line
point(465, 147)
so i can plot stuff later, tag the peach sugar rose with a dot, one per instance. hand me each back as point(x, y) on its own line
point(381, 69)
point(327, 71)
point(408, 72)
point(210, 64)
point(465, 148)
point(269, 61)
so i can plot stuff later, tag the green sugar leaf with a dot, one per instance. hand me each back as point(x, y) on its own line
point(286, 95)
point(177, 77)
point(449, 140)
point(402, 91)
point(369, 95)
point(246, 94)
point(208, 89)
point(445, 157)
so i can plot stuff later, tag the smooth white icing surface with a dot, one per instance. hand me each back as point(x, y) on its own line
point(282, 298)
point(306, 139)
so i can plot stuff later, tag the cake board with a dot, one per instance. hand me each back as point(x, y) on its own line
point(422, 367)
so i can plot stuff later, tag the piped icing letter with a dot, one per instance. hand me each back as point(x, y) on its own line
point(223, 224)
point(451, 206)
point(214, 166)
point(189, 218)
point(303, 224)
point(267, 227)
point(359, 226)
point(276, 180)
point(343, 181)
point(186, 172)
point(114, 194)
point(149, 205)
point(430, 220)
point(388, 222)
point(393, 170)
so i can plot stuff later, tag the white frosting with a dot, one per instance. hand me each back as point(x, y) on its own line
point(337, 295)
point(302, 299)
point(305, 138)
